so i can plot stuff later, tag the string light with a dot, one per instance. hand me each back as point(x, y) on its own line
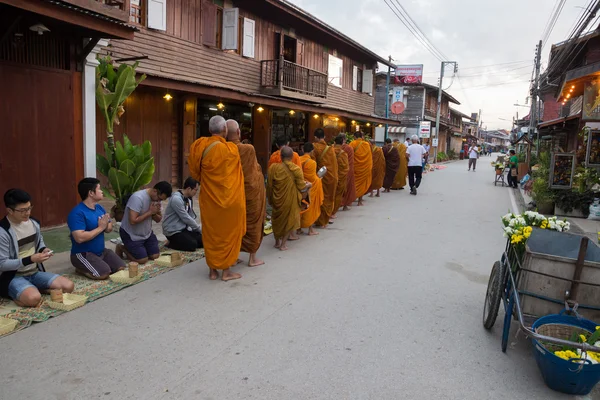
point(260, 109)
point(220, 106)
point(167, 97)
point(315, 116)
point(292, 112)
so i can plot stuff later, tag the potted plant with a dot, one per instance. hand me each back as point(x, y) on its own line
point(541, 192)
point(499, 167)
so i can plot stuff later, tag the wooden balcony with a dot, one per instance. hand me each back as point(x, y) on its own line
point(432, 112)
point(286, 79)
point(117, 9)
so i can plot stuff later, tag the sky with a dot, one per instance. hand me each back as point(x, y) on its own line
point(478, 35)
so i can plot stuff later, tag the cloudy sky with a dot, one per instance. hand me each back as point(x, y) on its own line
point(471, 32)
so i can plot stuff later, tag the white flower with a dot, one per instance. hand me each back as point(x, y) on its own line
point(552, 225)
point(512, 223)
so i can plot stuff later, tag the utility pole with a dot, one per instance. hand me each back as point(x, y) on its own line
point(533, 117)
point(439, 107)
point(387, 98)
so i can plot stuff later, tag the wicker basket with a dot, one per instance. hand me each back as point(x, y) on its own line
point(165, 261)
point(123, 277)
point(70, 302)
point(559, 331)
point(7, 325)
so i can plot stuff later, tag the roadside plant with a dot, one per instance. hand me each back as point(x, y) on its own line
point(519, 227)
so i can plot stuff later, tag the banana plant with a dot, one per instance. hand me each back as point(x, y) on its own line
point(113, 86)
point(128, 168)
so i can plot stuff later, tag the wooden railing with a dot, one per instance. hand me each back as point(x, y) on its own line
point(432, 112)
point(289, 76)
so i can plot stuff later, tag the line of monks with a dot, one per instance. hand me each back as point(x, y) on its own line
point(301, 192)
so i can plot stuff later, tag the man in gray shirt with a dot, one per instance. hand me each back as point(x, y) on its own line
point(179, 223)
point(139, 241)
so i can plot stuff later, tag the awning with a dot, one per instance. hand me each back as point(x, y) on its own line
point(398, 129)
point(558, 121)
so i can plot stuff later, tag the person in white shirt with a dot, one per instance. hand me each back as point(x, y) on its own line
point(414, 155)
point(473, 156)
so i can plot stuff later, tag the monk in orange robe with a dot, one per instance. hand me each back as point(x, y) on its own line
point(276, 156)
point(216, 165)
point(363, 165)
point(285, 184)
point(325, 157)
point(378, 169)
point(256, 195)
point(343, 167)
point(392, 164)
point(400, 178)
point(309, 216)
point(350, 194)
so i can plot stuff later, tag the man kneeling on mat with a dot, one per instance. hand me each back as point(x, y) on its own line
point(179, 223)
point(88, 222)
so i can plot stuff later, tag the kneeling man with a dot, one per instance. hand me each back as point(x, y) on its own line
point(179, 224)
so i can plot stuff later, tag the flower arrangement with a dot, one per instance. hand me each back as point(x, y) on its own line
point(498, 165)
point(519, 227)
point(576, 355)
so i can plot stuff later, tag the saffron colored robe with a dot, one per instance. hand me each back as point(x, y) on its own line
point(363, 166)
point(256, 198)
point(392, 164)
point(378, 169)
point(400, 178)
point(276, 158)
point(342, 186)
point(324, 155)
point(284, 183)
point(309, 168)
point(350, 194)
point(222, 199)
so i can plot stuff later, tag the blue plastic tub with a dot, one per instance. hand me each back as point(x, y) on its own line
point(562, 375)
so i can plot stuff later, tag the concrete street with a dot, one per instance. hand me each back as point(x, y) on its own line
point(384, 304)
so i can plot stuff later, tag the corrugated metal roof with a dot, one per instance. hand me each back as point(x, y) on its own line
point(91, 13)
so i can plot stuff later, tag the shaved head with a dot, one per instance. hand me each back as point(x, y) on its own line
point(233, 130)
point(396, 140)
point(287, 153)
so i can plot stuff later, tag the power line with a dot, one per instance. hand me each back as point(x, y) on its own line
point(552, 21)
point(497, 84)
point(464, 92)
point(483, 66)
point(495, 73)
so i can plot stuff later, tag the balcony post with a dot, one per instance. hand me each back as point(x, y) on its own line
point(280, 72)
point(126, 6)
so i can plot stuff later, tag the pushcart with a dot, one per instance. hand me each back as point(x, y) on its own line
point(556, 271)
point(502, 178)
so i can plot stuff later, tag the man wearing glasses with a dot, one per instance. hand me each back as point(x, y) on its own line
point(22, 252)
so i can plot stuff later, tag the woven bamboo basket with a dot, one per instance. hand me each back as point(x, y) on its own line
point(7, 325)
point(70, 302)
point(559, 331)
point(123, 277)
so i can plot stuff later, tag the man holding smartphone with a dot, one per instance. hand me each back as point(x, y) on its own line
point(88, 222)
point(22, 252)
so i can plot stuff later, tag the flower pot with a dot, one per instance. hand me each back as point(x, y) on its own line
point(546, 207)
point(499, 171)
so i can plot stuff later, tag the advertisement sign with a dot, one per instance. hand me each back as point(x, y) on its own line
point(424, 129)
point(434, 142)
point(409, 74)
point(398, 105)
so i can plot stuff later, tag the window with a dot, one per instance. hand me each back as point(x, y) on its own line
point(334, 70)
point(219, 28)
point(136, 14)
point(157, 14)
point(248, 35)
point(359, 80)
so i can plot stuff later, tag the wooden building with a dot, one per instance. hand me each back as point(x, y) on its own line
point(44, 50)
point(277, 70)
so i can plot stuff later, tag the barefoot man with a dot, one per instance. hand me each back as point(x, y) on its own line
point(256, 195)
point(392, 164)
point(378, 169)
point(350, 194)
point(276, 156)
point(285, 185)
point(216, 165)
point(309, 216)
point(400, 178)
point(325, 157)
point(363, 165)
point(342, 186)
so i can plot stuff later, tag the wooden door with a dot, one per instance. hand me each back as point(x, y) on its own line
point(37, 139)
point(261, 130)
point(189, 133)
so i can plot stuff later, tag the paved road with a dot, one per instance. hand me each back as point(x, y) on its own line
point(384, 305)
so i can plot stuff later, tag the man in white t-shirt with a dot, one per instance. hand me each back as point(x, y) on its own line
point(473, 156)
point(414, 155)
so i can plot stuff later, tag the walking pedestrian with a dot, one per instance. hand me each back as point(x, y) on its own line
point(414, 155)
point(473, 156)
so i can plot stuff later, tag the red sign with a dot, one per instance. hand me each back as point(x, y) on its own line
point(409, 74)
point(398, 107)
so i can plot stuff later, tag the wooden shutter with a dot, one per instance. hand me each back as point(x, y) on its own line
point(354, 77)
point(367, 86)
point(157, 14)
point(335, 68)
point(249, 26)
point(231, 17)
point(299, 52)
point(209, 24)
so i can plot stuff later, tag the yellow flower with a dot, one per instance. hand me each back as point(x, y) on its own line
point(583, 338)
point(528, 230)
point(598, 327)
point(544, 224)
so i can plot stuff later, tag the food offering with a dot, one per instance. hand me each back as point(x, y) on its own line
point(562, 170)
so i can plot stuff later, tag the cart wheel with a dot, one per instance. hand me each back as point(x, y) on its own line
point(493, 295)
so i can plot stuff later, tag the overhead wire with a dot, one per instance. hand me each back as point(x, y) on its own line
point(552, 22)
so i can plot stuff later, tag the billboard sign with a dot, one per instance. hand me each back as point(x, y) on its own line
point(398, 105)
point(424, 129)
point(409, 74)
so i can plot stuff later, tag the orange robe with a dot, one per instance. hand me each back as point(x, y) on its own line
point(324, 155)
point(276, 158)
point(256, 198)
point(400, 178)
point(284, 183)
point(378, 169)
point(222, 199)
point(309, 168)
point(342, 186)
point(363, 166)
point(350, 194)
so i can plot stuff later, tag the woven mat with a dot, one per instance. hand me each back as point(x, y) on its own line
point(87, 287)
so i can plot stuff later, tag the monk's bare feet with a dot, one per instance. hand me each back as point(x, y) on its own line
point(360, 203)
point(229, 276)
point(294, 237)
point(277, 243)
point(377, 195)
point(334, 216)
point(312, 232)
point(283, 248)
point(300, 232)
point(239, 261)
point(214, 275)
point(346, 208)
point(255, 262)
point(371, 195)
